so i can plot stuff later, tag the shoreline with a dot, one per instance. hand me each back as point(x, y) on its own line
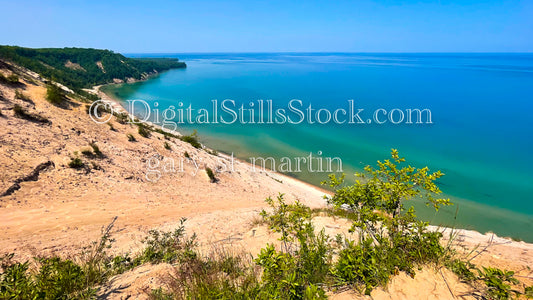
point(117, 106)
point(476, 236)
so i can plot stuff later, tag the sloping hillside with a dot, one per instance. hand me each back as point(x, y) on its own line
point(79, 68)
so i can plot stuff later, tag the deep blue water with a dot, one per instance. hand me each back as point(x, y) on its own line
point(481, 105)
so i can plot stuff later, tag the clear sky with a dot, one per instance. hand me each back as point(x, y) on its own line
point(271, 26)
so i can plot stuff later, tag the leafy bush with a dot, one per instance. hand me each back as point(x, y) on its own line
point(498, 282)
point(167, 146)
point(304, 261)
point(54, 94)
point(13, 78)
point(122, 118)
point(529, 291)
point(168, 247)
point(221, 275)
point(390, 237)
point(192, 139)
point(10, 79)
point(186, 154)
point(462, 269)
point(76, 163)
point(131, 138)
point(55, 277)
point(96, 150)
point(143, 131)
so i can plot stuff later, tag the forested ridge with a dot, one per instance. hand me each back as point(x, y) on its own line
point(80, 68)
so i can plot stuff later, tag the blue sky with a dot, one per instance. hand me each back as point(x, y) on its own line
point(271, 26)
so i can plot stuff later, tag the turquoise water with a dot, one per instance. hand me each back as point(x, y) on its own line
point(481, 105)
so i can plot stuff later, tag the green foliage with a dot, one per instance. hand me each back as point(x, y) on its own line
point(166, 134)
point(186, 154)
point(96, 150)
point(305, 258)
point(390, 237)
point(212, 152)
point(122, 118)
point(498, 282)
point(54, 94)
point(131, 138)
point(462, 269)
point(143, 130)
point(168, 247)
point(387, 186)
point(167, 146)
point(10, 79)
point(76, 163)
point(221, 275)
point(13, 78)
point(51, 64)
point(529, 292)
point(192, 139)
point(211, 174)
point(55, 277)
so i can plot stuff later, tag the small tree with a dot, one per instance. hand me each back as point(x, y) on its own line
point(388, 186)
point(390, 238)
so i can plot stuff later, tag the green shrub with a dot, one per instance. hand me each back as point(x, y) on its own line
point(192, 139)
point(304, 261)
point(76, 163)
point(143, 131)
point(168, 247)
point(122, 118)
point(167, 146)
point(186, 154)
point(10, 79)
point(58, 278)
point(390, 237)
point(211, 174)
point(212, 152)
point(13, 78)
point(462, 269)
point(499, 283)
point(96, 150)
point(131, 138)
point(54, 94)
point(529, 291)
point(87, 152)
point(221, 275)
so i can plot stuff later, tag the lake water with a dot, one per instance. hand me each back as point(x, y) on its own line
point(481, 134)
